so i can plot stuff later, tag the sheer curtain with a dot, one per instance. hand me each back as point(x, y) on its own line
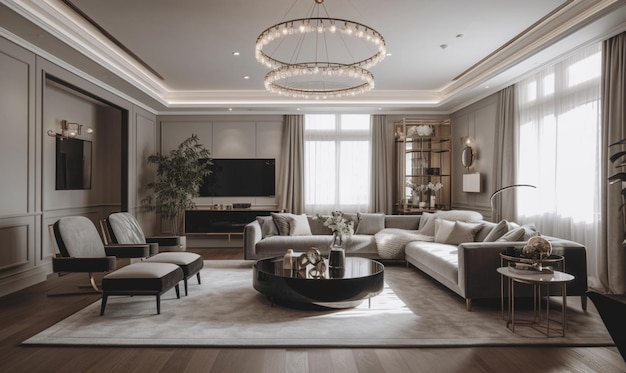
point(337, 167)
point(558, 132)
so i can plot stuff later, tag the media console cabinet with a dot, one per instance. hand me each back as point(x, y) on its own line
point(221, 222)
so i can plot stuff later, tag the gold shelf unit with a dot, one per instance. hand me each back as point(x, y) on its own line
point(423, 156)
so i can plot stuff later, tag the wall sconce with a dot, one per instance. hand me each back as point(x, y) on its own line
point(70, 130)
point(471, 182)
point(468, 155)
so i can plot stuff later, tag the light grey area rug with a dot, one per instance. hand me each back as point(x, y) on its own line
point(225, 310)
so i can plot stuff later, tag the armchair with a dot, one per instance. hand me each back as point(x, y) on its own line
point(81, 249)
point(122, 227)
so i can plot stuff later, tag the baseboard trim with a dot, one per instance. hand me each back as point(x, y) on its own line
point(18, 281)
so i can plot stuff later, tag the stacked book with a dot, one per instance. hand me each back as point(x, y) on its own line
point(529, 268)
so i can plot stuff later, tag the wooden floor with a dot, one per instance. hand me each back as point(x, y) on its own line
point(30, 311)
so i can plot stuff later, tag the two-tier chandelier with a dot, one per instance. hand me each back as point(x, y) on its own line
point(319, 56)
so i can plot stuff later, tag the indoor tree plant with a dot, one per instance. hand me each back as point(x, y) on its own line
point(179, 175)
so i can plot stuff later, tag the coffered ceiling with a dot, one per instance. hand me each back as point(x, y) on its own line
point(178, 56)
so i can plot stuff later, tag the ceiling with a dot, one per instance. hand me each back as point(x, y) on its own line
point(187, 47)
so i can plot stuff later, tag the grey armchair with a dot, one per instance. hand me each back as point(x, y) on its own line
point(81, 249)
point(122, 227)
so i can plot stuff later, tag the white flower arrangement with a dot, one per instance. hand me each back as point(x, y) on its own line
point(337, 223)
point(416, 188)
point(435, 187)
point(421, 130)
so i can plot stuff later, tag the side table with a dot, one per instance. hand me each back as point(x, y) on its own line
point(511, 257)
point(537, 280)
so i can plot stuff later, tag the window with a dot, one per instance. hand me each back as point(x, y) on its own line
point(336, 163)
point(559, 148)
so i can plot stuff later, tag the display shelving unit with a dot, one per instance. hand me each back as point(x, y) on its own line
point(423, 156)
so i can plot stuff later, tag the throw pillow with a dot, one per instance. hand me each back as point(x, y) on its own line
point(498, 231)
point(455, 233)
point(370, 223)
point(514, 235)
point(282, 222)
point(268, 228)
point(299, 225)
point(427, 224)
point(529, 231)
point(443, 229)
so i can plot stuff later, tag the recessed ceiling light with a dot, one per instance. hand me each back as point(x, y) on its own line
point(443, 46)
point(459, 35)
point(235, 53)
point(486, 87)
point(230, 109)
point(246, 77)
point(389, 54)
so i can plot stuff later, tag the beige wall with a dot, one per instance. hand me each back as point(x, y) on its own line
point(479, 121)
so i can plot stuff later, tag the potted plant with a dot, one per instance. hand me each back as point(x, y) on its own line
point(179, 175)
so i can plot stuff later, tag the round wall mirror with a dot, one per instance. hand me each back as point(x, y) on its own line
point(467, 157)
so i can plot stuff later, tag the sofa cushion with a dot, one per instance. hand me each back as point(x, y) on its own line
point(460, 215)
point(370, 223)
point(454, 233)
point(317, 226)
point(390, 242)
point(498, 231)
point(523, 233)
point(362, 245)
point(427, 224)
point(514, 235)
point(268, 228)
point(299, 225)
point(442, 260)
point(282, 222)
point(529, 231)
point(408, 222)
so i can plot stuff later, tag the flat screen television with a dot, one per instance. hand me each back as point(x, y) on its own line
point(73, 164)
point(240, 177)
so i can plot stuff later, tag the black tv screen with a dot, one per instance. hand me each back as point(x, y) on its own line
point(238, 177)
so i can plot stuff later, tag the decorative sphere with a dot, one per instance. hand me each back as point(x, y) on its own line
point(537, 248)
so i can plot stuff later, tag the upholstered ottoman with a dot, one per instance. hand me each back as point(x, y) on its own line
point(142, 279)
point(190, 263)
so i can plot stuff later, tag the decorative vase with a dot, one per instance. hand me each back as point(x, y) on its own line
point(433, 201)
point(415, 201)
point(337, 254)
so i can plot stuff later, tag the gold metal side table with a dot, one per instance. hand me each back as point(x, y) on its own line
point(537, 280)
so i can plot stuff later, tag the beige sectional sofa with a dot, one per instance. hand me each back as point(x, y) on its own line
point(457, 248)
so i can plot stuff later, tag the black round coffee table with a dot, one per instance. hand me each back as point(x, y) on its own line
point(360, 279)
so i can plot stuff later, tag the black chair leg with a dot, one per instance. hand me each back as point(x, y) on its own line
point(177, 291)
point(104, 304)
point(198, 276)
point(158, 300)
point(185, 282)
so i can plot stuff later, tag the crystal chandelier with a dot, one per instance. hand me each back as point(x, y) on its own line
point(319, 57)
